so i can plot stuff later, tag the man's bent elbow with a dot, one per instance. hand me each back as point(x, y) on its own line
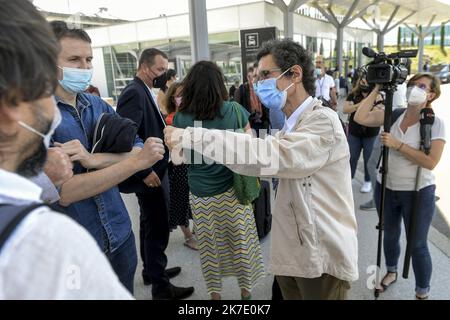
point(64, 203)
point(65, 199)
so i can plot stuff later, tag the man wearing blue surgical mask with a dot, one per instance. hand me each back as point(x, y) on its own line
point(91, 196)
point(314, 248)
point(325, 87)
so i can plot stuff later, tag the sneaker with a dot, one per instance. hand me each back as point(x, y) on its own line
point(367, 187)
point(368, 206)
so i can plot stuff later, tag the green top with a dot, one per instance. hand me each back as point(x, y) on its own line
point(211, 180)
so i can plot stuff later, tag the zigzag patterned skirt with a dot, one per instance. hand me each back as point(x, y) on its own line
point(227, 240)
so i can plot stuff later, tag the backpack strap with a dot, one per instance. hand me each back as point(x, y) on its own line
point(10, 218)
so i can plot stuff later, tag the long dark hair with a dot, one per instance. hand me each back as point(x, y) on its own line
point(170, 102)
point(204, 91)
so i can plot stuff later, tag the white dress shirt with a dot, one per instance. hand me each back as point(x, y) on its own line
point(324, 86)
point(49, 256)
point(292, 120)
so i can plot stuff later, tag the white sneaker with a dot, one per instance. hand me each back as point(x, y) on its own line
point(367, 187)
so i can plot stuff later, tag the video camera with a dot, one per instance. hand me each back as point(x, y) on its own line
point(387, 69)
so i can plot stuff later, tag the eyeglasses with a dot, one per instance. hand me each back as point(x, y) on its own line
point(264, 74)
point(420, 85)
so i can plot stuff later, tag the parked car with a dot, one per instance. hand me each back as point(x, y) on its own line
point(442, 71)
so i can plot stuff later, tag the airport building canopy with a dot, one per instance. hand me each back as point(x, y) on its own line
point(382, 10)
point(382, 16)
point(425, 10)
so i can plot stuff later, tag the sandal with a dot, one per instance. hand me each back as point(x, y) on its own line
point(188, 243)
point(386, 286)
point(249, 297)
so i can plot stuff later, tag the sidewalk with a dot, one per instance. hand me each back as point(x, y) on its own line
point(368, 242)
point(191, 275)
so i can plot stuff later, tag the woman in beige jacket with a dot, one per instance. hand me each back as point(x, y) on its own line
point(314, 242)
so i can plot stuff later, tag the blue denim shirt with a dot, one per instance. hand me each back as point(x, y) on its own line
point(105, 215)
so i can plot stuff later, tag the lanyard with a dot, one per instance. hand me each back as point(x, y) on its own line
point(321, 86)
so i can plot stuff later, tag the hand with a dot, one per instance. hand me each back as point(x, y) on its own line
point(76, 151)
point(353, 106)
point(152, 180)
point(58, 166)
point(389, 141)
point(172, 137)
point(152, 152)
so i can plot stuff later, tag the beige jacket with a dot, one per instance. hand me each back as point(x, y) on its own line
point(314, 229)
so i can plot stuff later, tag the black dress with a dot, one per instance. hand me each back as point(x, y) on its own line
point(180, 209)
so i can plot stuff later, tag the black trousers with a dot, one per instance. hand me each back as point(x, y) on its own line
point(154, 235)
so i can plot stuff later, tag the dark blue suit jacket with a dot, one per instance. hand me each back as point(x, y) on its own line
point(136, 103)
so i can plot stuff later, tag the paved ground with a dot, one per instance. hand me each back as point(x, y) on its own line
point(442, 171)
point(439, 243)
point(189, 260)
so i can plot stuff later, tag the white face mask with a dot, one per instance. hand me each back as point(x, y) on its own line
point(46, 137)
point(416, 96)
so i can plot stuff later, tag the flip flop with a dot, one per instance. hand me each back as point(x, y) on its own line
point(386, 286)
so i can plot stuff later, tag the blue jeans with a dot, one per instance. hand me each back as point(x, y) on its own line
point(124, 262)
point(398, 205)
point(357, 144)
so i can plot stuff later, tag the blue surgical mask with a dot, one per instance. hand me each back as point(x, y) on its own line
point(46, 137)
point(75, 80)
point(318, 72)
point(270, 95)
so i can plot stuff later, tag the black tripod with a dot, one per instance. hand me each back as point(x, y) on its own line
point(389, 89)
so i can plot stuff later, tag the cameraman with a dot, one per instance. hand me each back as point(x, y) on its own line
point(361, 138)
point(405, 157)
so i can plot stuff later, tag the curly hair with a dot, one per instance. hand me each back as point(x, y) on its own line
point(286, 54)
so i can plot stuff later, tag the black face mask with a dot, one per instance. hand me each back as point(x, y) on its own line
point(160, 82)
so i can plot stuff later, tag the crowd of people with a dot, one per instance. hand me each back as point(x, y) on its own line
point(66, 156)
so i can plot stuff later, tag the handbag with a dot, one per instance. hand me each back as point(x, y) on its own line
point(247, 189)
